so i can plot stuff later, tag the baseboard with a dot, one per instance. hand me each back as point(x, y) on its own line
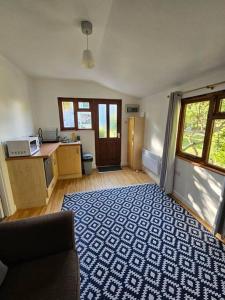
point(196, 216)
point(150, 174)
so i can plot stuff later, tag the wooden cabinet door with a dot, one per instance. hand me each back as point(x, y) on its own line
point(69, 160)
point(130, 146)
point(138, 140)
point(54, 164)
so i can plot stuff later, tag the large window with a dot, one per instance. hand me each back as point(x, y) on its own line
point(75, 113)
point(201, 135)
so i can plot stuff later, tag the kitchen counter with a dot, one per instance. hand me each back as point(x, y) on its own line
point(45, 150)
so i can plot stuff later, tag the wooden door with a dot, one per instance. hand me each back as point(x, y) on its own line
point(108, 132)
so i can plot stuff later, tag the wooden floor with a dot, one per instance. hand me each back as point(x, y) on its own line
point(94, 181)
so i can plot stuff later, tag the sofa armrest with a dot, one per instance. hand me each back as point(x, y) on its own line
point(35, 237)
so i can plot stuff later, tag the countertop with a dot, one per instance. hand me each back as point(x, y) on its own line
point(45, 150)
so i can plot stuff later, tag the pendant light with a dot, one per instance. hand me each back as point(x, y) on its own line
point(87, 59)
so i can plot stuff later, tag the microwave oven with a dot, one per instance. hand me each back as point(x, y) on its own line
point(23, 147)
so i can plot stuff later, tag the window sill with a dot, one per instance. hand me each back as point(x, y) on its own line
point(75, 129)
point(201, 165)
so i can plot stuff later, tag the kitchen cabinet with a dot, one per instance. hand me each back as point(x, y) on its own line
point(27, 178)
point(55, 174)
point(135, 142)
point(69, 161)
point(28, 174)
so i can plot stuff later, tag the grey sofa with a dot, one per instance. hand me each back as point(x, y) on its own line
point(42, 259)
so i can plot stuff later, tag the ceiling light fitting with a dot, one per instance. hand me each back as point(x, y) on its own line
point(87, 59)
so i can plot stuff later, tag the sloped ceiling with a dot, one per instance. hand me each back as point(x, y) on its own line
point(140, 46)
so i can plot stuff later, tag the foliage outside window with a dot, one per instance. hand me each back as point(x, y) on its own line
point(217, 148)
point(201, 135)
point(195, 119)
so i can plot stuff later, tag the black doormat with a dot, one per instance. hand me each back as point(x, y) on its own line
point(109, 169)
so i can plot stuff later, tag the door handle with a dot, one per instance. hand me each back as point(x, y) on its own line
point(118, 135)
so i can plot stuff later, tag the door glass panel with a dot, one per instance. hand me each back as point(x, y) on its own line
point(112, 120)
point(68, 114)
point(102, 121)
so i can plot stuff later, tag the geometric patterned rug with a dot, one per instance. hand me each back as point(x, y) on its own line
point(136, 243)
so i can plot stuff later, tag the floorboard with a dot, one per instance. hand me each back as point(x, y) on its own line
point(94, 181)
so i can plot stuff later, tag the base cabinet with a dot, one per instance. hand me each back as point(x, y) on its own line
point(28, 178)
point(28, 183)
point(55, 174)
point(69, 161)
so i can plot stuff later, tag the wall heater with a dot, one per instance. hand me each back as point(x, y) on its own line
point(151, 161)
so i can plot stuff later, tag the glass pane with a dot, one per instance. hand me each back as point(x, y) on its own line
point(68, 114)
point(83, 105)
point(195, 119)
point(84, 120)
point(113, 120)
point(102, 121)
point(217, 148)
point(222, 105)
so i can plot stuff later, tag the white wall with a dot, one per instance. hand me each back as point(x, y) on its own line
point(15, 104)
point(15, 119)
point(197, 187)
point(45, 106)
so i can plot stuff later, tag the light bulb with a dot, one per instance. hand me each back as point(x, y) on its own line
point(87, 60)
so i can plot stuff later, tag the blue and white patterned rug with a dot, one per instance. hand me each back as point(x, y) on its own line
point(136, 243)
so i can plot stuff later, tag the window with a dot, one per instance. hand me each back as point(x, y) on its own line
point(195, 119)
point(83, 105)
point(66, 114)
point(84, 120)
point(75, 114)
point(201, 135)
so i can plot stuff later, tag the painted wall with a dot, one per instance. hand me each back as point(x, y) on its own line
point(197, 187)
point(15, 119)
point(45, 106)
point(15, 104)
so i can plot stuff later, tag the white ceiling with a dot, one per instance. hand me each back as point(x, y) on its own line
point(140, 46)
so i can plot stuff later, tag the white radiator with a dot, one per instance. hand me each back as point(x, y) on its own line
point(151, 161)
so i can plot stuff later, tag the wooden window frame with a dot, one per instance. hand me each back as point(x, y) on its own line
point(213, 114)
point(76, 110)
point(60, 101)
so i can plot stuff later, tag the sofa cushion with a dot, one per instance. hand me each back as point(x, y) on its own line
point(3, 272)
point(51, 277)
